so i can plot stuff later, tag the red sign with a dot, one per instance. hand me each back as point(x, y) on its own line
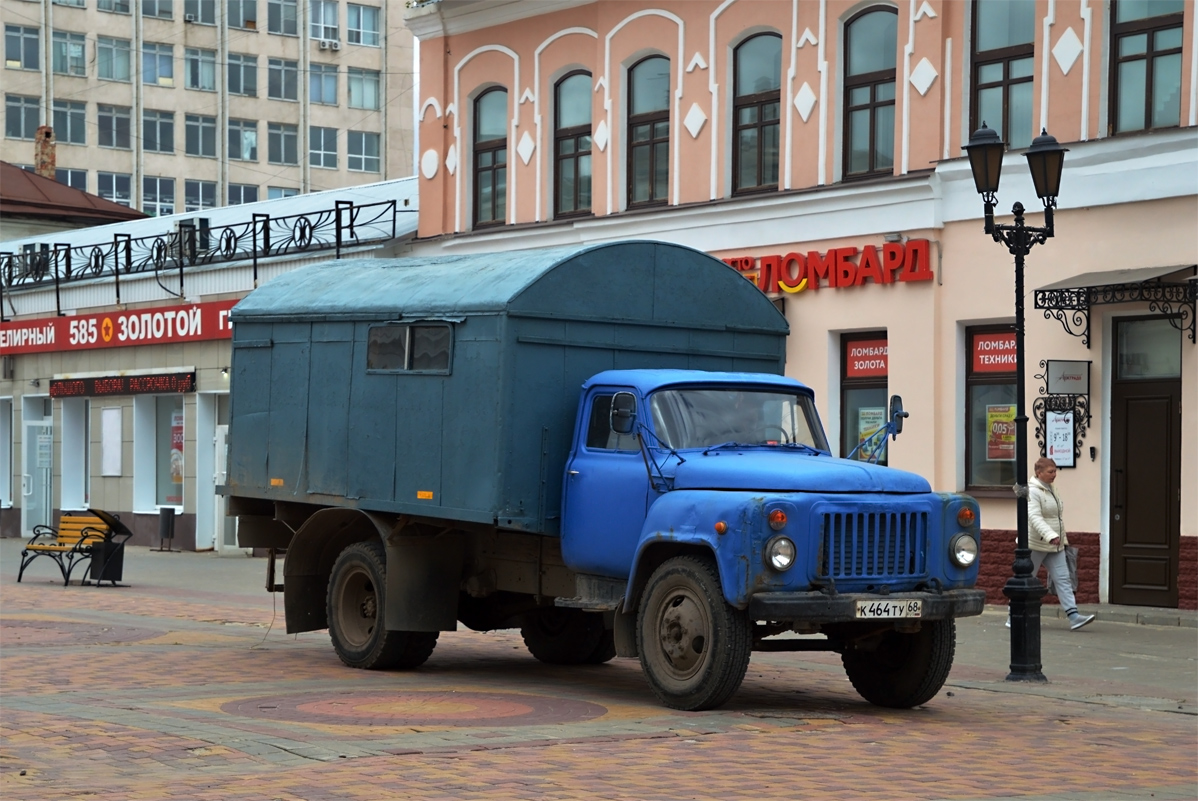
point(116, 329)
point(994, 353)
point(839, 267)
point(867, 358)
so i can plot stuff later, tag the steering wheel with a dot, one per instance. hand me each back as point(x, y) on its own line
point(770, 427)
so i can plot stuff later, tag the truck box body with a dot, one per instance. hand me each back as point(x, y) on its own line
point(486, 439)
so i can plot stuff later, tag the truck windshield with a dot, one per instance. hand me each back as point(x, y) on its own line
point(701, 418)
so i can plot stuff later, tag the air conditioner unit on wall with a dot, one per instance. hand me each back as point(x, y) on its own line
point(335, 45)
point(189, 17)
point(324, 44)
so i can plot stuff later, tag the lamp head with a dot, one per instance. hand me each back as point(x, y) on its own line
point(1046, 160)
point(985, 151)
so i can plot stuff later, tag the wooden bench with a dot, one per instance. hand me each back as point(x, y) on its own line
point(80, 539)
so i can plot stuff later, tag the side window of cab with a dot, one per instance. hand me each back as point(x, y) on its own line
point(599, 432)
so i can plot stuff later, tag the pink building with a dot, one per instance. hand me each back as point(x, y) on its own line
point(816, 146)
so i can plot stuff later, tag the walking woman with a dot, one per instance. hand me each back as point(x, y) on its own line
point(1047, 539)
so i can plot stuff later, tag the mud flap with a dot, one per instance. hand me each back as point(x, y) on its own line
point(423, 577)
point(624, 633)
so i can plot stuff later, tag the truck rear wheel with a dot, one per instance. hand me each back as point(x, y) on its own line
point(563, 636)
point(694, 645)
point(356, 600)
point(905, 670)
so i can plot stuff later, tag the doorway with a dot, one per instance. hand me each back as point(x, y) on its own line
point(37, 481)
point(1145, 481)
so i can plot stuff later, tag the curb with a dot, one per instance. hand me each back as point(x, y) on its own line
point(1137, 615)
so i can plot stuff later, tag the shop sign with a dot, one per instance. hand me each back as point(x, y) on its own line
point(839, 268)
point(154, 326)
point(151, 384)
point(1059, 438)
point(1000, 433)
point(867, 358)
point(1068, 377)
point(994, 353)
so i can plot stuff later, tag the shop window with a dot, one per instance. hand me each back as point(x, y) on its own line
point(1003, 36)
point(76, 453)
point(871, 39)
point(6, 448)
point(648, 139)
point(572, 145)
point(1146, 64)
point(864, 366)
point(168, 451)
point(490, 158)
point(990, 408)
point(755, 113)
point(425, 348)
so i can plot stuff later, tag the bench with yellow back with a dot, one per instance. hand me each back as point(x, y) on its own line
point(77, 539)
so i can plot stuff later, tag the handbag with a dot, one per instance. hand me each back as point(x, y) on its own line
point(1071, 563)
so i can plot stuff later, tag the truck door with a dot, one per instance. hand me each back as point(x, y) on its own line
point(606, 494)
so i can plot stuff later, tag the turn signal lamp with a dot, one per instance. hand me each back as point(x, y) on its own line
point(777, 520)
point(721, 527)
point(966, 517)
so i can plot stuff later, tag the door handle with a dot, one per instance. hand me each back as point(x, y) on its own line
point(26, 484)
point(572, 472)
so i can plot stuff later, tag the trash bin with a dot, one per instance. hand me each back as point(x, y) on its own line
point(166, 527)
point(108, 561)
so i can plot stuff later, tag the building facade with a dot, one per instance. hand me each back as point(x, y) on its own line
point(817, 147)
point(182, 105)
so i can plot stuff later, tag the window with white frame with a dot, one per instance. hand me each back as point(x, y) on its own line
point(113, 58)
point(322, 147)
point(20, 117)
point(243, 140)
point(362, 25)
point(201, 11)
point(21, 48)
point(323, 84)
point(200, 68)
point(363, 88)
point(70, 122)
point(158, 442)
point(200, 135)
point(115, 6)
point(6, 451)
point(76, 454)
point(76, 179)
point(158, 64)
point(282, 79)
point(157, 195)
point(163, 9)
point(242, 193)
point(75, 3)
point(323, 14)
point(243, 74)
point(282, 143)
point(243, 14)
point(158, 131)
point(362, 151)
point(282, 17)
point(199, 195)
point(278, 192)
point(115, 186)
point(114, 125)
point(69, 53)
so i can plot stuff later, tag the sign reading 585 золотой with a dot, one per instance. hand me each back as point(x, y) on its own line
point(115, 329)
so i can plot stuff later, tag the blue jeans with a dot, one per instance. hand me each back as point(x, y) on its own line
point(1055, 563)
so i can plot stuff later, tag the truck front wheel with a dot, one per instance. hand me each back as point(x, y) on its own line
point(905, 670)
point(694, 645)
point(356, 600)
point(562, 636)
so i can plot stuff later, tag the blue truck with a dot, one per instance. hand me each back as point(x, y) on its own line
point(594, 444)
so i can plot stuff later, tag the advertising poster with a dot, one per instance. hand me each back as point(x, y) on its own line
point(869, 420)
point(1000, 432)
point(176, 495)
point(1059, 443)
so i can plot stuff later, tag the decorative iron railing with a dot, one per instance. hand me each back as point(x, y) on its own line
point(169, 254)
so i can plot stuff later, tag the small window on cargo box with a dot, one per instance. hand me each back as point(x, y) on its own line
point(599, 433)
point(421, 348)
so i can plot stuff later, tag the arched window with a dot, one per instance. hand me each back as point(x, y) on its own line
point(649, 132)
point(490, 158)
point(572, 145)
point(758, 83)
point(1003, 61)
point(871, 39)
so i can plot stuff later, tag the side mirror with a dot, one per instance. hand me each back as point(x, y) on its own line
point(896, 415)
point(623, 413)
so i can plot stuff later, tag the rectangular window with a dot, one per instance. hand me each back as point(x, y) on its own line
point(6, 449)
point(990, 408)
point(323, 14)
point(362, 25)
point(243, 140)
point(20, 48)
point(76, 179)
point(69, 53)
point(322, 147)
point(362, 151)
point(200, 135)
point(158, 131)
point(75, 3)
point(158, 64)
point(323, 84)
point(75, 453)
point(242, 193)
point(112, 57)
point(158, 8)
point(200, 69)
point(115, 186)
point(864, 366)
point(115, 124)
point(416, 348)
point(282, 16)
point(243, 75)
point(115, 6)
point(363, 88)
point(157, 196)
point(1004, 32)
point(243, 14)
point(70, 122)
point(282, 79)
point(1146, 64)
point(199, 195)
point(20, 117)
point(201, 11)
point(278, 192)
point(282, 143)
point(168, 450)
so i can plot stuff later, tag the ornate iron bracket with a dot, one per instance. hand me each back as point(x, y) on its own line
point(1071, 307)
point(1077, 405)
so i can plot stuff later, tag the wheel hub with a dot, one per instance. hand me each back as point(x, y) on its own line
point(683, 633)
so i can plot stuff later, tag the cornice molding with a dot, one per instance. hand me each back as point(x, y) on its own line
point(451, 17)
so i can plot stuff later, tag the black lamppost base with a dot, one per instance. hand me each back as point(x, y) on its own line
point(1025, 592)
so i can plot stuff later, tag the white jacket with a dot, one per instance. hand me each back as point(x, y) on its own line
point(1045, 517)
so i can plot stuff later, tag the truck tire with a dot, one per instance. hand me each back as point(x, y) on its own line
point(905, 670)
point(694, 645)
point(563, 636)
point(356, 600)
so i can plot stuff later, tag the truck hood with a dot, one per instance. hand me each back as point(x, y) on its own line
point(777, 470)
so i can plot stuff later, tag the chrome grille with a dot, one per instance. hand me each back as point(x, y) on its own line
point(868, 545)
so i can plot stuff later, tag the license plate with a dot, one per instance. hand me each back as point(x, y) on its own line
point(890, 609)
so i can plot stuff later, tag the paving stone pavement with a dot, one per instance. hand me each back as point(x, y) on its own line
point(184, 686)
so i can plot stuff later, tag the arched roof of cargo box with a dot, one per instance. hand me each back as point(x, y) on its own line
point(633, 281)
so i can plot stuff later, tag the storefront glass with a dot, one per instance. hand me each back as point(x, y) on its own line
point(168, 448)
point(1149, 349)
point(863, 376)
point(990, 409)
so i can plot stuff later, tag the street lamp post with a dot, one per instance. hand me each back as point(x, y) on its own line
point(1045, 159)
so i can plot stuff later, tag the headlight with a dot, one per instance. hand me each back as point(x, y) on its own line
point(963, 550)
point(780, 553)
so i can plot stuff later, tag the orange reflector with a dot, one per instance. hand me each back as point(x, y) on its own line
point(777, 519)
point(721, 527)
point(965, 517)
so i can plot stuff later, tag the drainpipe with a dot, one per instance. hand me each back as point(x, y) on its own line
point(135, 124)
point(305, 91)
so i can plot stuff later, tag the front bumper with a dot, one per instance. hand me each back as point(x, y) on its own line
point(819, 607)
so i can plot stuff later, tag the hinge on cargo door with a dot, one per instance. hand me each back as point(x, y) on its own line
point(270, 572)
